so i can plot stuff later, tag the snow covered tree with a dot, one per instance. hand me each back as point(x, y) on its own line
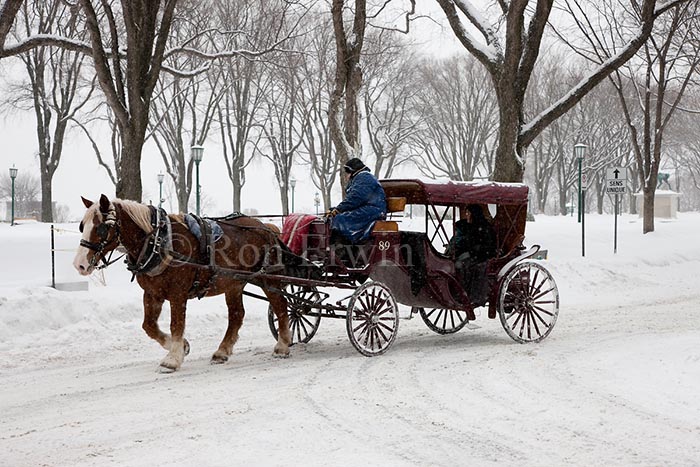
point(509, 48)
point(650, 87)
point(56, 89)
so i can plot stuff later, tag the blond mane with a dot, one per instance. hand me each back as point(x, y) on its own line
point(138, 212)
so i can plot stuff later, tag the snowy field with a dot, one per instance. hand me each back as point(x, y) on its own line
point(616, 383)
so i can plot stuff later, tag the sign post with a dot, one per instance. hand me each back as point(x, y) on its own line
point(616, 183)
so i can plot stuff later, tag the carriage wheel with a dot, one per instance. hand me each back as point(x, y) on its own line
point(528, 303)
point(441, 320)
point(302, 326)
point(372, 320)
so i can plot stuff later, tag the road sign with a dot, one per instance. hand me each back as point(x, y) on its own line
point(616, 180)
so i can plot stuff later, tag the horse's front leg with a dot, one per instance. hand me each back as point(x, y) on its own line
point(176, 355)
point(152, 308)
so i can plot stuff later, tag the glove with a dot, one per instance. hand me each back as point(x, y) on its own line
point(333, 212)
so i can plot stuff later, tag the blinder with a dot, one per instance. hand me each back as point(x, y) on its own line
point(102, 232)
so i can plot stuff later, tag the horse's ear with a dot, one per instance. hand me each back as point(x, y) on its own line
point(87, 202)
point(104, 203)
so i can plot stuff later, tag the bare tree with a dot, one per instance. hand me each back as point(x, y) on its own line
point(55, 85)
point(685, 154)
point(283, 123)
point(27, 191)
point(244, 83)
point(389, 87)
point(184, 109)
point(318, 149)
point(550, 167)
point(653, 84)
point(128, 47)
point(344, 112)
point(110, 165)
point(8, 11)
point(457, 116)
point(509, 49)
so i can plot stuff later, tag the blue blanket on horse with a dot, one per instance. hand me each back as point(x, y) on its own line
point(192, 224)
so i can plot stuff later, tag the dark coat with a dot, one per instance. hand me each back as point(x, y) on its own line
point(364, 203)
point(476, 238)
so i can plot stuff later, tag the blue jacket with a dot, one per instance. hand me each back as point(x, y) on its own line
point(364, 204)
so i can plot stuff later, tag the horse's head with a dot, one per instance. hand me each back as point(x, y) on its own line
point(100, 235)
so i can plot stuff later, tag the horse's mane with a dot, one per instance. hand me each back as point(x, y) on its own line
point(139, 213)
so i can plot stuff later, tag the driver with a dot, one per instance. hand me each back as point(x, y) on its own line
point(364, 203)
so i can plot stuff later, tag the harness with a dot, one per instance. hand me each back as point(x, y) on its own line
point(155, 254)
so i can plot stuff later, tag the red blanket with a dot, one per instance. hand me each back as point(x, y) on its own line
point(293, 230)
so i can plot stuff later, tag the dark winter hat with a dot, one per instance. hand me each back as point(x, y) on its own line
point(354, 165)
point(476, 211)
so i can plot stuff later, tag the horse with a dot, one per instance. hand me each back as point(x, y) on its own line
point(180, 273)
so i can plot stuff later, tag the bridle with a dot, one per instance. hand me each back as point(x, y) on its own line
point(105, 240)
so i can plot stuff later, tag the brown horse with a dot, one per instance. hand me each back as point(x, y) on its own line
point(181, 272)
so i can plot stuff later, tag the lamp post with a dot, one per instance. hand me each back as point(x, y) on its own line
point(161, 177)
point(197, 153)
point(293, 184)
point(580, 153)
point(317, 201)
point(13, 175)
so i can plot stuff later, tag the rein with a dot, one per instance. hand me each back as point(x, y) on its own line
point(157, 247)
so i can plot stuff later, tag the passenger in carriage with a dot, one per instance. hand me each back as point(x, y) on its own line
point(473, 243)
point(364, 203)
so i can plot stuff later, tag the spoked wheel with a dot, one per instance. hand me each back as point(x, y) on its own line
point(373, 319)
point(441, 320)
point(302, 326)
point(528, 302)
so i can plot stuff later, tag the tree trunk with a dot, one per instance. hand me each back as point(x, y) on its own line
point(46, 198)
point(129, 183)
point(649, 192)
point(183, 195)
point(237, 187)
point(508, 166)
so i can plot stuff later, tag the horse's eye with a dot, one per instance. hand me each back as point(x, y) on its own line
point(80, 227)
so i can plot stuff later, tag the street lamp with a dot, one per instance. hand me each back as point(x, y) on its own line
point(13, 175)
point(317, 201)
point(161, 177)
point(293, 184)
point(580, 153)
point(197, 153)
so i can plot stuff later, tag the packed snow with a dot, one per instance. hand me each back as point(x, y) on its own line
point(616, 382)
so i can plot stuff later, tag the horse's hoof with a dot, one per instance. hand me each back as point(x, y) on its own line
point(218, 359)
point(280, 354)
point(169, 364)
point(165, 370)
point(187, 347)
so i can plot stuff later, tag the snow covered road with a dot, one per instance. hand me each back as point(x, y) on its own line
point(614, 384)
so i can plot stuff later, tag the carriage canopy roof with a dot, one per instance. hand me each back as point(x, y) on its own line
point(452, 193)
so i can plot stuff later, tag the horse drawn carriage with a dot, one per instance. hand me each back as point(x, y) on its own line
point(404, 262)
point(404, 266)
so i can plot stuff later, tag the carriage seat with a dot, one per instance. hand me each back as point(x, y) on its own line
point(385, 226)
point(395, 204)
